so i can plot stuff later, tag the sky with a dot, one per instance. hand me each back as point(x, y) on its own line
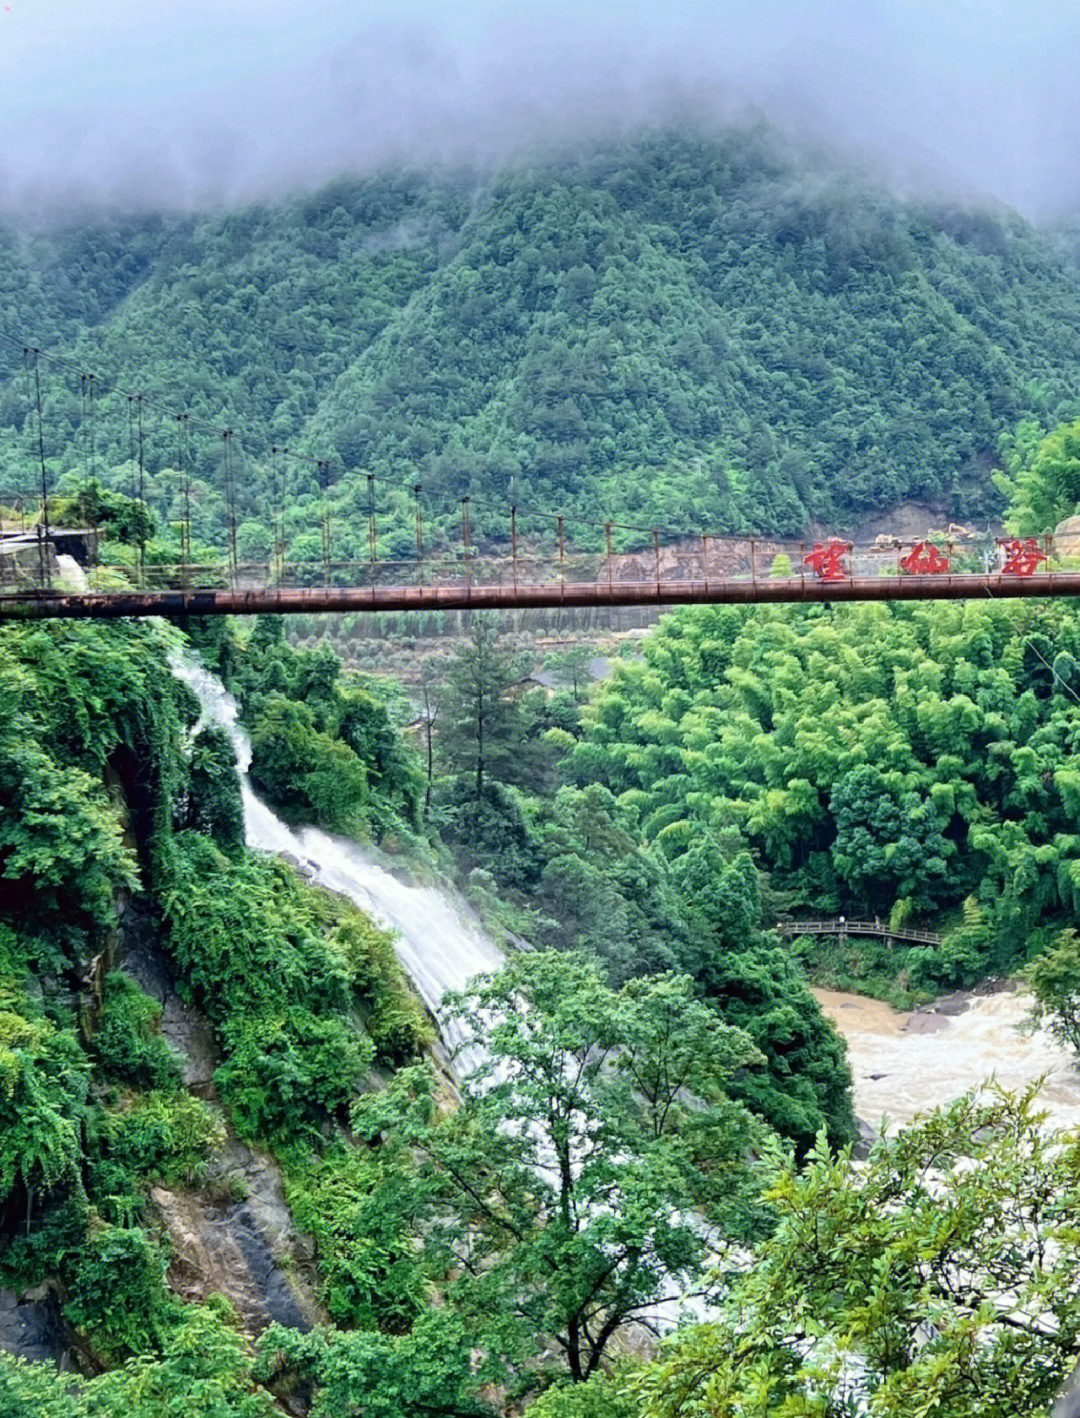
point(180, 103)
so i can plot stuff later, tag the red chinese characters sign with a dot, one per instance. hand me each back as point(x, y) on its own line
point(827, 560)
point(924, 559)
point(1021, 557)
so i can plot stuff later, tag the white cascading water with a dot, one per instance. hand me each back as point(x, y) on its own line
point(438, 939)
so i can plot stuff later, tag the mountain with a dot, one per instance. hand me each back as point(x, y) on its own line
point(691, 331)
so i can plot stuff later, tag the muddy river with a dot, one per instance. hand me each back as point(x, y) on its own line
point(904, 1064)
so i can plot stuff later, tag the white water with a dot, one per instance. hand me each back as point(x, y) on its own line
point(438, 939)
point(903, 1065)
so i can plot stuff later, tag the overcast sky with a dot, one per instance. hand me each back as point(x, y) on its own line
point(181, 102)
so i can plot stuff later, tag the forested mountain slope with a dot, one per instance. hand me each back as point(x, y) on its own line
point(690, 331)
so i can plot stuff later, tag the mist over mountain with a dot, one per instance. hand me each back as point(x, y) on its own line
point(193, 105)
point(677, 331)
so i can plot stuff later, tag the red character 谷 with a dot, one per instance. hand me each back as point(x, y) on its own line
point(1021, 556)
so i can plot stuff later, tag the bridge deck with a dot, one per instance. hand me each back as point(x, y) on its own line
point(846, 927)
point(34, 604)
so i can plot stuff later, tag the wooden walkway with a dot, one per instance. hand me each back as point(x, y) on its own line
point(842, 926)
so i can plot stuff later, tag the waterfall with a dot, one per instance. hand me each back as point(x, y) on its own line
point(438, 939)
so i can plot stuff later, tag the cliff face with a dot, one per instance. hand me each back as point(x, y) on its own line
point(177, 1015)
point(232, 1235)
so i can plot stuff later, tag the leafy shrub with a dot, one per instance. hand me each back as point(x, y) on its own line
point(393, 1015)
point(159, 1138)
point(288, 1074)
point(117, 1292)
point(214, 788)
point(370, 1268)
point(126, 1043)
point(203, 1371)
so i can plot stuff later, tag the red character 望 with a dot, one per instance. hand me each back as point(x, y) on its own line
point(827, 560)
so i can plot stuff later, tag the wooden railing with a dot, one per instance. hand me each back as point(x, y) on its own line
point(843, 926)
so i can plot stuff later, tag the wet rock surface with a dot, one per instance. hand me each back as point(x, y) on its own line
point(235, 1238)
point(141, 957)
point(31, 1326)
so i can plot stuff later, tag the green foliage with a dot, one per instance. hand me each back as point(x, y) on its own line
point(393, 1015)
point(60, 841)
point(117, 1292)
point(781, 565)
point(117, 518)
point(1054, 980)
point(204, 1369)
point(356, 1209)
point(938, 1278)
point(323, 747)
point(214, 789)
point(94, 744)
point(888, 843)
point(806, 1083)
point(90, 727)
point(603, 1396)
point(44, 1082)
point(288, 1074)
point(276, 966)
point(680, 330)
point(484, 730)
point(558, 1194)
point(156, 1138)
point(126, 1044)
point(876, 759)
point(302, 770)
point(382, 1376)
point(1043, 478)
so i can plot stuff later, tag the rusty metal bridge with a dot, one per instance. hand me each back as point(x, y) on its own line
point(703, 570)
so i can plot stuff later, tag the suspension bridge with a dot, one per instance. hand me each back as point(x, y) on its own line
point(195, 484)
point(722, 571)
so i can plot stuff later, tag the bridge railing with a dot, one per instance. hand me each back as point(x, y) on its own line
point(630, 558)
point(842, 926)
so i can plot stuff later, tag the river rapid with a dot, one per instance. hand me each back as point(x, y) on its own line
point(906, 1064)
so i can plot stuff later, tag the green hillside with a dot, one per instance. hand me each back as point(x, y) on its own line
point(684, 331)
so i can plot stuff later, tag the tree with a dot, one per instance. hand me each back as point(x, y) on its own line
point(938, 1278)
point(421, 1374)
point(215, 804)
point(480, 736)
point(572, 667)
point(781, 565)
point(1054, 980)
point(888, 842)
point(593, 1124)
point(1043, 482)
point(431, 700)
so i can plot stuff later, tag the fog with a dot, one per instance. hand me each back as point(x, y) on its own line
point(195, 104)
